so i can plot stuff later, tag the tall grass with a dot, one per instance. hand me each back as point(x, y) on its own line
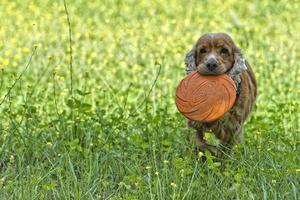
point(118, 134)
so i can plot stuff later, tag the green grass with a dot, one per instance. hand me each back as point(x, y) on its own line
point(113, 140)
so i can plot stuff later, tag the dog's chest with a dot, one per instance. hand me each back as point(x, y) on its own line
point(229, 120)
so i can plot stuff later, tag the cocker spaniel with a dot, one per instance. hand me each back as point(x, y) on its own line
point(215, 54)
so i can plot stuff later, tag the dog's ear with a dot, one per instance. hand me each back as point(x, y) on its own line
point(238, 66)
point(239, 60)
point(190, 61)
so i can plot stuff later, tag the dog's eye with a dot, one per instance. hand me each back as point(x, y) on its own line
point(224, 50)
point(202, 50)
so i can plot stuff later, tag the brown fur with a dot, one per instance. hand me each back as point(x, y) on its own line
point(229, 128)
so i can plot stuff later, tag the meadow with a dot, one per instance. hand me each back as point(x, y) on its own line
point(103, 124)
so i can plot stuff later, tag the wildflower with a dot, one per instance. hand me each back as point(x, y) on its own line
point(156, 173)
point(200, 154)
point(49, 144)
point(166, 161)
point(17, 57)
point(25, 50)
point(11, 159)
point(173, 185)
point(93, 55)
point(148, 167)
point(5, 62)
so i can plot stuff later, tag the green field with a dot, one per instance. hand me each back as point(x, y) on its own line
point(116, 133)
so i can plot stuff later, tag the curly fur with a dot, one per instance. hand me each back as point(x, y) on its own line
point(229, 128)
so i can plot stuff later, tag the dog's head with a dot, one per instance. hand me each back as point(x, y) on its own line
point(215, 54)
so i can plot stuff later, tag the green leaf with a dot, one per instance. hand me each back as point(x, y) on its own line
point(81, 93)
point(85, 107)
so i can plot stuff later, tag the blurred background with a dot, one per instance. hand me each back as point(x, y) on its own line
point(117, 134)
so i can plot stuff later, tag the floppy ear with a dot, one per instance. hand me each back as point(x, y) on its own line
point(190, 61)
point(239, 66)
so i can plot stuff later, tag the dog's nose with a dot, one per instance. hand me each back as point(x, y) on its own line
point(211, 64)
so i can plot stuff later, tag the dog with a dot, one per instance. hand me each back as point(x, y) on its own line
point(215, 54)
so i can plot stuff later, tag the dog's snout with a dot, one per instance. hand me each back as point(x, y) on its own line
point(211, 64)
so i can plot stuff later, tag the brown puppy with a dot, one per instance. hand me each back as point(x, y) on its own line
point(215, 54)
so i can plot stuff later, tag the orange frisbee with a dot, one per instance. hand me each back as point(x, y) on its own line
point(205, 98)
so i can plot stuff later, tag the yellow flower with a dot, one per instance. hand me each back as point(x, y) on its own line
point(173, 185)
point(49, 144)
point(93, 55)
point(5, 62)
point(11, 158)
point(25, 50)
point(17, 57)
point(200, 154)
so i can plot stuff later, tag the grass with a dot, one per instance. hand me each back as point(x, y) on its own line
point(117, 137)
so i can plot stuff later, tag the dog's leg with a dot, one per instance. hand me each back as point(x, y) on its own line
point(202, 145)
point(230, 140)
